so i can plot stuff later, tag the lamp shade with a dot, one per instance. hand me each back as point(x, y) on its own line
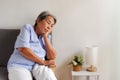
point(92, 55)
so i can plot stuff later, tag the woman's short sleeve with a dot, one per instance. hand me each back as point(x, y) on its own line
point(23, 38)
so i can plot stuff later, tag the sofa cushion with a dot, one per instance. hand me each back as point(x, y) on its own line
point(7, 40)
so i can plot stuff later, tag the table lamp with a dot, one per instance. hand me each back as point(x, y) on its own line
point(91, 58)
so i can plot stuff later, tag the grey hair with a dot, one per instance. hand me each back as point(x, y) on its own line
point(43, 15)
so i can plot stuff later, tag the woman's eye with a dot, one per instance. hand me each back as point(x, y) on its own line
point(48, 22)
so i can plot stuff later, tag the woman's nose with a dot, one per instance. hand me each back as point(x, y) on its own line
point(48, 27)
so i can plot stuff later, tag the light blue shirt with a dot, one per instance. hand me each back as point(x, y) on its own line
point(27, 38)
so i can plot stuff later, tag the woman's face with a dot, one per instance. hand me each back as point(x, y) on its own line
point(45, 25)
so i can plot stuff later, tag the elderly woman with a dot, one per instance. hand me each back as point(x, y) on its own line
point(32, 47)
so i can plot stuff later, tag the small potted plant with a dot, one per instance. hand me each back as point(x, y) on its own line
point(77, 63)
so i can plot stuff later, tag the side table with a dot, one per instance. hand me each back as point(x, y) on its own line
point(85, 73)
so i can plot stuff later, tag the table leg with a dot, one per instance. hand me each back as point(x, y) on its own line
point(72, 78)
point(88, 77)
point(97, 77)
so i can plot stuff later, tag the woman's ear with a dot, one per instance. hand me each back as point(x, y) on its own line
point(38, 20)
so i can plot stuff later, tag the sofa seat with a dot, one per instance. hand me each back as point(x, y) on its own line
point(3, 73)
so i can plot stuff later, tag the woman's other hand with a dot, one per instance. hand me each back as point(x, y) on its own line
point(49, 62)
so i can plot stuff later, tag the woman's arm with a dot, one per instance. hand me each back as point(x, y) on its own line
point(51, 53)
point(28, 53)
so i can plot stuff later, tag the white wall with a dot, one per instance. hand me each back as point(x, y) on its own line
point(80, 23)
point(116, 54)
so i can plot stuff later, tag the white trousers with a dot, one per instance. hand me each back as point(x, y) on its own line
point(18, 73)
point(39, 73)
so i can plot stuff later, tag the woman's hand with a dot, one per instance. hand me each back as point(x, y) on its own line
point(48, 31)
point(49, 62)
